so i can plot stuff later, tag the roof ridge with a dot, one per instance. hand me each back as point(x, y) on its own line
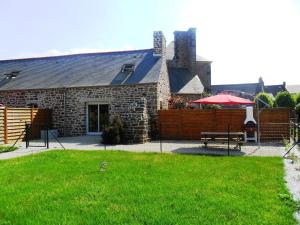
point(233, 84)
point(77, 54)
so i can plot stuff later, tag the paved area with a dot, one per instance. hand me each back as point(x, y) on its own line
point(292, 176)
point(178, 147)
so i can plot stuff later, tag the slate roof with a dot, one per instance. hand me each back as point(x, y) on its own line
point(274, 89)
point(295, 88)
point(251, 88)
point(81, 70)
point(182, 81)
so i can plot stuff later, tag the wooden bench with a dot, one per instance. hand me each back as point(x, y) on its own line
point(223, 137)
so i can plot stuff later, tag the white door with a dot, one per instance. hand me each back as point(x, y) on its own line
point(97, 118)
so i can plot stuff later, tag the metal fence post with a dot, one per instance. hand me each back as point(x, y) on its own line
point(298, 138)
point(26, 135)
point(160, 141)
point(47, 136)
point(228, 137)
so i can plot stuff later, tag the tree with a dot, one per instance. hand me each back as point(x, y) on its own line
point(284, 99)
point(264, 97)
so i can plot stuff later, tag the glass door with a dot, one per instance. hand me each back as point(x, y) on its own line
point(97, 118)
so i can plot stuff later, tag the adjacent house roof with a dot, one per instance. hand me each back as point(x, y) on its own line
point(293, 88)
point(274, 89)
point(251, 88)
point(182, 81)
point(80, 70)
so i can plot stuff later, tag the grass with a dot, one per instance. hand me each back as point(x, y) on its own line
point(7, 148)
point(67, 187)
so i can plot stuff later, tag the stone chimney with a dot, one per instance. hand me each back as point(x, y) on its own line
point(261, 84)
point(284, 85)
point(159, 43)
point(185, 48)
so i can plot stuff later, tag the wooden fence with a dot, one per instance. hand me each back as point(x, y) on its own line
point(12, 122)
point(188, 124)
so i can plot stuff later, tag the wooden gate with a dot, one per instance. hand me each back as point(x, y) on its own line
point(12, 122)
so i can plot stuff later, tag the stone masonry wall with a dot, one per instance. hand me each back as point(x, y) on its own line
point(163, 85)
point(130, 102)
point(159, 43)
point(185, 49)
point(163, 88)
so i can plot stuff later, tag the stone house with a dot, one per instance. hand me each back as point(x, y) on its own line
point(82, 89)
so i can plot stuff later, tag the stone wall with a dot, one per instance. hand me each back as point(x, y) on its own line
point(163, 87)
point(185, 49)
point(132, 103)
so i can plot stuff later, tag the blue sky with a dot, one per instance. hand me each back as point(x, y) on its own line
point(244, 39)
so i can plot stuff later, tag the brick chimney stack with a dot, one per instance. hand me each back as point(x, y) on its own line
point(159, 43)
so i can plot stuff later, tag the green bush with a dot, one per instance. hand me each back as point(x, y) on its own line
point(297, 108)
point(297, 98)
point(265, 97)
point(114, 133)
point(211, 106)
point(284, 99)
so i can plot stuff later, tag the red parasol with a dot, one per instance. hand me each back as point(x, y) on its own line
point(224, 99)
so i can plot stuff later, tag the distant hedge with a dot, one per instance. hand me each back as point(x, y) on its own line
point(284, 99)
point(265, 97)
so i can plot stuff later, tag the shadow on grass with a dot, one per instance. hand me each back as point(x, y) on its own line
point(211, 151)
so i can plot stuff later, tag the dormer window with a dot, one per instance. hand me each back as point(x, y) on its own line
point(12, 75)
point(128, 68)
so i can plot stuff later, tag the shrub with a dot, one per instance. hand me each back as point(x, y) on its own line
point(267, 98)
point(7, 148)
point(177, 103)
point(297, 108)
point(297, 98)
point(211, 106)
point(284, 99)
point(119, 124)
point(111, 135)
point(182, 102)
point(114, 132)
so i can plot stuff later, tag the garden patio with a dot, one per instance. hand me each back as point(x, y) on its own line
point(164, 146)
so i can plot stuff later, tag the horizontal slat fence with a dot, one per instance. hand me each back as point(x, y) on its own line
point(12, 122)
point(188, 124)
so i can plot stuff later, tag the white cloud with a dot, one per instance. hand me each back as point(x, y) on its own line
point(247, 39)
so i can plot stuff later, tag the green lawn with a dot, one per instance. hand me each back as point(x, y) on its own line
point(67, 187)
